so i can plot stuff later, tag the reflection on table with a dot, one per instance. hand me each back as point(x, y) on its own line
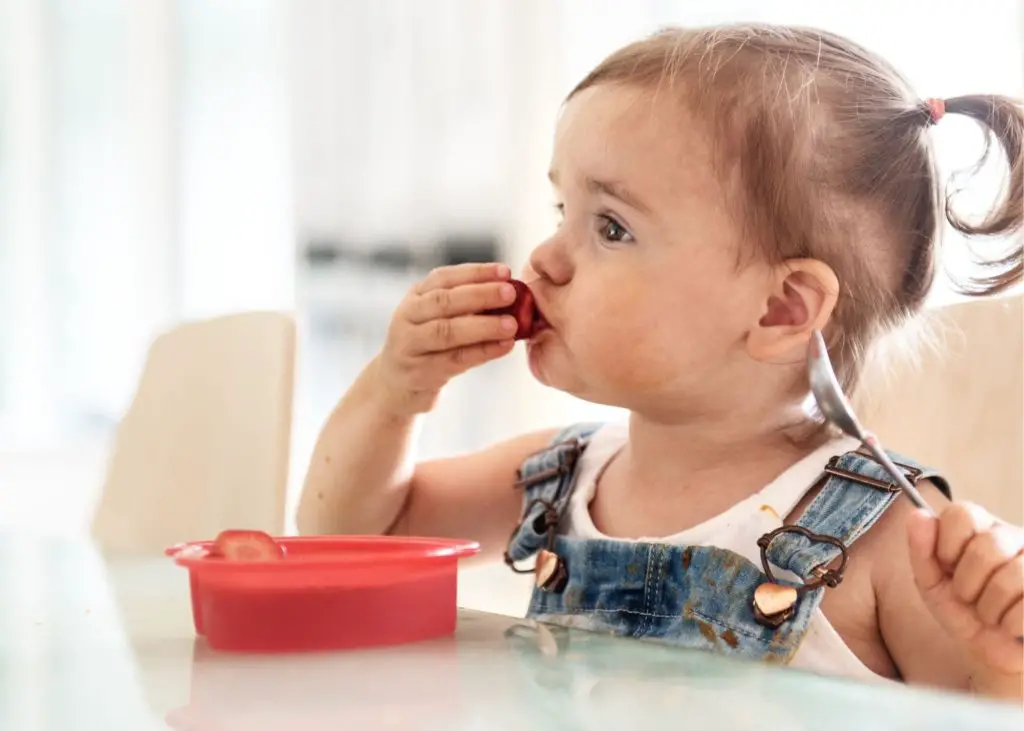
point(88, 643)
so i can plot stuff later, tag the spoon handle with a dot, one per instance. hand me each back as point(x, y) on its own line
point(897, 474)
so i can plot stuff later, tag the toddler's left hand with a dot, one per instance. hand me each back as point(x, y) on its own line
point(969, 567)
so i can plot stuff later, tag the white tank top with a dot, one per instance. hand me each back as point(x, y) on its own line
point(737, 529)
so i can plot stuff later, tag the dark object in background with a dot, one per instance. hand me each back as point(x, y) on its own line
point(464, 249)
point(400, 256)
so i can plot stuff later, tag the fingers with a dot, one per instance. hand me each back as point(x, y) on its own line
point(985, 554)
point(466, 299)
point(923, 533)
point(443, 313)
point(439, 332)
point(958, 524)
point(429, 372)
point(1013, 620)
point(449, 277)
point(462, 359)
point(1003, 591)
point(441, 335)
point(969, 567)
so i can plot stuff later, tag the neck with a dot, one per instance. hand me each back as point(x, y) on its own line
point(727, 458)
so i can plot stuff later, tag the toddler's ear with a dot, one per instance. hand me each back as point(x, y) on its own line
point(800, 297)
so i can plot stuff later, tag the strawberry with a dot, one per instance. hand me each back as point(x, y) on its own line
point(524, 309)
point(246, 545)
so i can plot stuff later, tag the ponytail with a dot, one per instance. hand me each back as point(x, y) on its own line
point(1001, 118)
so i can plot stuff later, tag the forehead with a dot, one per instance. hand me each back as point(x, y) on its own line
point(647, 141)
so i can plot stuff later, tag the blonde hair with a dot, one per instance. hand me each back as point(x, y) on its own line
point(825, 147)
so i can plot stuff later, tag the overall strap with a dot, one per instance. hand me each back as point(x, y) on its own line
point(855, 495)
point(547, 479)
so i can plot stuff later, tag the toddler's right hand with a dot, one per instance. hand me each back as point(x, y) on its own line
point(439, 331)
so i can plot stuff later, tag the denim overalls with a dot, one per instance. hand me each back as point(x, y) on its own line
point(699, 597)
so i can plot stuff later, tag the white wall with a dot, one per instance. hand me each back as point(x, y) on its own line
point(144, 177)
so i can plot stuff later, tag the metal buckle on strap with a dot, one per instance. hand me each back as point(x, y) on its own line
point(545, 522)
point(774, 604)
point(913, 474)
point(566, 465)
point(549, 568)
point(823, 575)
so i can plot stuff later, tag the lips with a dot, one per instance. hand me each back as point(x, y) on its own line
point(529, 319)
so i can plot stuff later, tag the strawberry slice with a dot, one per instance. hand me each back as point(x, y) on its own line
point(246, 545)
point(524, 309)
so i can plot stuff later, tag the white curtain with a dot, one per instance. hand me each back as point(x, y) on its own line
point(144, 178)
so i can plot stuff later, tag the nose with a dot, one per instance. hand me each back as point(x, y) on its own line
point(551, 261)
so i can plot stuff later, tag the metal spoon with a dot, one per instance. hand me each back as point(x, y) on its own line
point(835, 407)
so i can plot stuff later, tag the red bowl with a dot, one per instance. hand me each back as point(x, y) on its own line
point(326, 593)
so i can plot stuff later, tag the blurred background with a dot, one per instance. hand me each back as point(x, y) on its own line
point(170, 160)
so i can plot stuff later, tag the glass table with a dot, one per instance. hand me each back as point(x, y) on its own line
point(92, 643)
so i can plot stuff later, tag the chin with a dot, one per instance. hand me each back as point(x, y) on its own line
point(553, 371)
point(537, 363)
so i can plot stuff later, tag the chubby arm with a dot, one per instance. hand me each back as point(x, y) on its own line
point(361, 478)
point(471, 496)
point(949, 597)
point(922, 651)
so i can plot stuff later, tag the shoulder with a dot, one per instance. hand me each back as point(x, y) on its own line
point(884, 547)
point(597, 441)
point(584, 436)
point(566, 444)
point(582, 430)
point(922, 651)
point(888, 537)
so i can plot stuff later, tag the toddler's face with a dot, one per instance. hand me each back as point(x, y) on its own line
point(640, 282)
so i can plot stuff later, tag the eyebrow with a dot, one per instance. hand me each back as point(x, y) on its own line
point(610, 188)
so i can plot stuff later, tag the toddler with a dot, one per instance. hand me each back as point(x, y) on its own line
point(722, 193)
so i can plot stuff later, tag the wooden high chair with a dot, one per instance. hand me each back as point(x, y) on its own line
point(960, 408)
point(204, 445)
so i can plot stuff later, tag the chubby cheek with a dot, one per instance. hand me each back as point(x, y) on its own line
point(633, 347)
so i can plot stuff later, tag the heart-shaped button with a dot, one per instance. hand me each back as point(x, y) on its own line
point(551, 573)
point(774, 598)
point(774, 603)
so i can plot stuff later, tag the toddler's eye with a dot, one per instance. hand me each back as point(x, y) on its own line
point(559, 209)
point(611, 230)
